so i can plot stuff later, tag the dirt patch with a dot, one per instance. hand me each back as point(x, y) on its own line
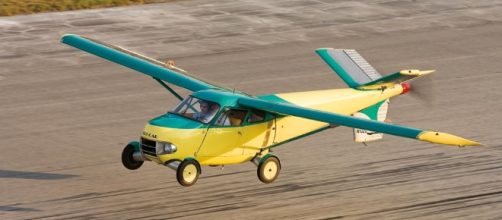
point(15, 7)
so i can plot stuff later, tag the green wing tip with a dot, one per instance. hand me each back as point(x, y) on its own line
point(66, 36)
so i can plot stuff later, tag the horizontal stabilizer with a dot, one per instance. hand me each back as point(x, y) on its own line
point(396, 78)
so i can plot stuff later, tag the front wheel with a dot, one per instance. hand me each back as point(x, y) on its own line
point(268, 169)
point(128, 159)
point(188, 172)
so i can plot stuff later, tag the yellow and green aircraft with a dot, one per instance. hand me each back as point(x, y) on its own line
point(217, 126)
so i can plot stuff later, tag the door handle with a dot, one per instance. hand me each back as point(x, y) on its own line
point(239, 132)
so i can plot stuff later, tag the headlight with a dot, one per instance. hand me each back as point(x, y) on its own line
point(170, 148)
point(166, 148)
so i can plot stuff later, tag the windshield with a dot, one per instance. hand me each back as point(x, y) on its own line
point(197, 109)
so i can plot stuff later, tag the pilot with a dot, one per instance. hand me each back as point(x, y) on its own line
point(207, 111)
point(229, 118)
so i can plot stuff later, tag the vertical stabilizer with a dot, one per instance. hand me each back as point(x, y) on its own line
point(349, 65)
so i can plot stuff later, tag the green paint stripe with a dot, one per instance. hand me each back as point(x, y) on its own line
point(387, 78)
point(372, 111)
point(272, 98)
point(135, 145)
point(175, 121)
point(135, 63)
point(265, 157)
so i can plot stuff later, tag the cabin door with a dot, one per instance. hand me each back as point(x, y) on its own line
point(223, 136)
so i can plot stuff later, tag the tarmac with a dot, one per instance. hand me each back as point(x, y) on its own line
point(65, 115)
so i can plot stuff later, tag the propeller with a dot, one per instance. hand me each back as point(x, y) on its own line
point(424, 89)
point(421, 87)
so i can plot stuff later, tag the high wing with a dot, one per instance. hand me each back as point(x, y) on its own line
point(338, 119)
point(138, 62)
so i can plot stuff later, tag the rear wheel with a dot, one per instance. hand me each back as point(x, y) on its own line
point(188, 172)
point(128, 159)
point(268, 169)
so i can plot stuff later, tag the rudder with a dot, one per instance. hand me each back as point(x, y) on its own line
point(349, 65)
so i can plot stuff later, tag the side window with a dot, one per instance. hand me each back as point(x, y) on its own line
point(256, 116)
point(231, 117)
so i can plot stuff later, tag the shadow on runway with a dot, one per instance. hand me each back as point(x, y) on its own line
point(33, 175)
point(17, 209)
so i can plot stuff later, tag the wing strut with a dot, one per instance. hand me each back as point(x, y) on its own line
point(168, 88)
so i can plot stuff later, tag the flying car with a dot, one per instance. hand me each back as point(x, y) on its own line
point(216, 126)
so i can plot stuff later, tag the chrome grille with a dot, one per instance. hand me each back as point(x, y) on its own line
point(148, 147)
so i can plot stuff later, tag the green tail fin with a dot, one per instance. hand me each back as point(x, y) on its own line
point(349, 65)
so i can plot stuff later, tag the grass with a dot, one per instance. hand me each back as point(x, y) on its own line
point(15, 7)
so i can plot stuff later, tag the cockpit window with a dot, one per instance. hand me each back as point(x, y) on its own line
point(256, 116)
point(197, 109)
point(231, 117)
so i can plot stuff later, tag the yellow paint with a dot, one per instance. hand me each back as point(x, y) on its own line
point(221, 146)
point(214, 146)
point(229, 145)
point(445, 138)
point(416, 72)
point(187, 140)
point(257, 136)
point(377, 86)
point(218, 160)
point(290, 127)
point(340, 101)
point(237, 144)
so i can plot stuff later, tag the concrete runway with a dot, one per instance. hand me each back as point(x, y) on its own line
point(65, 115)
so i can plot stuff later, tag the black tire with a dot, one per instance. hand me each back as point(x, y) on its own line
point(269, 169)
point(128, 160)
point(188, 172)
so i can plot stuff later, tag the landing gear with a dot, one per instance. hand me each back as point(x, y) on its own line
point(269, 168)
point(128, 158)
point(188, 172)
